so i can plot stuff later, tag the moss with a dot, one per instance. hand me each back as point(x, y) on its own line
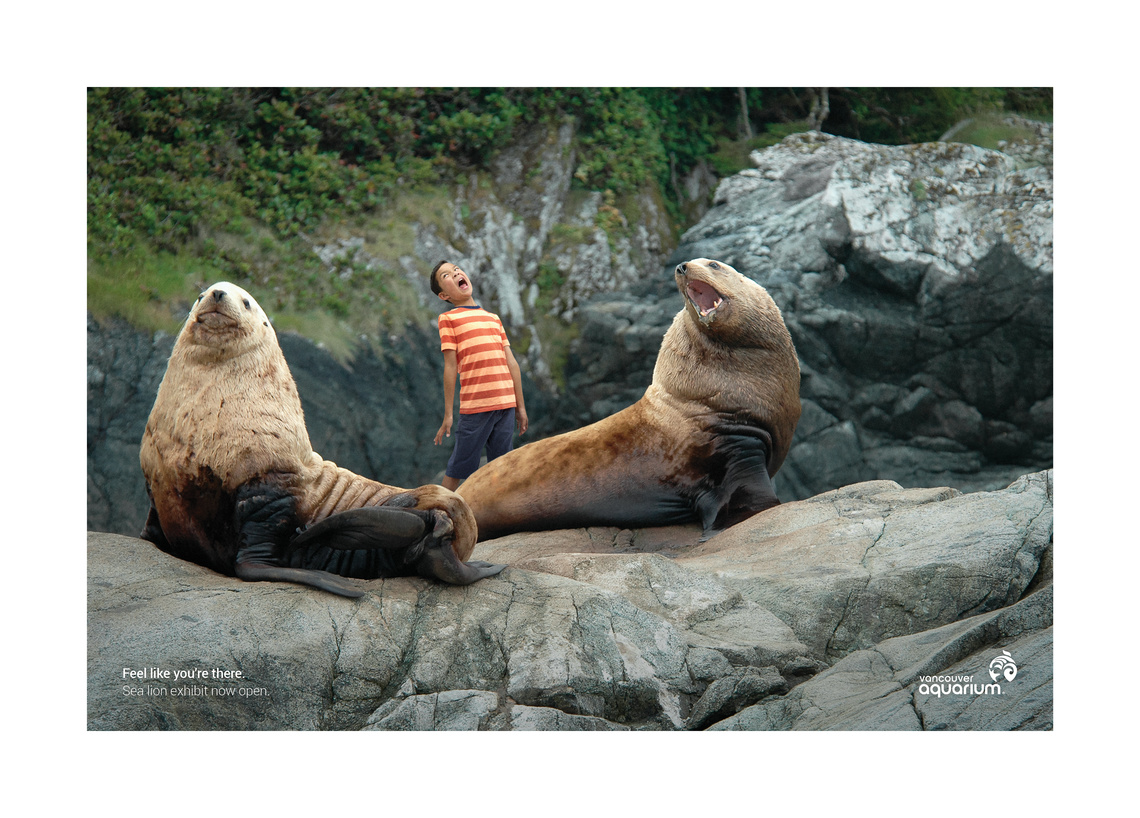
point(569, 234)
point(986, 131)
point(556, 337)
point(549, 279)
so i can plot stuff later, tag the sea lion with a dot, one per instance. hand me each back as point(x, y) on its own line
point(236, 486)
point(702, 443)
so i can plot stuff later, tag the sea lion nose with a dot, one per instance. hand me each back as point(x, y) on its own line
point(219, 295)
point(682, 268)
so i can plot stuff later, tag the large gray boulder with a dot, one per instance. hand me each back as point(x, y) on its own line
point(604, 629)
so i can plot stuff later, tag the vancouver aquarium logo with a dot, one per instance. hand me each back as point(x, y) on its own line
point(1003, 666)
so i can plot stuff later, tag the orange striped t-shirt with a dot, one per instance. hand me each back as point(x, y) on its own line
point(477, 336)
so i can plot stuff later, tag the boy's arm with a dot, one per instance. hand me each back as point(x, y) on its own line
point(450, 370)
point(516, 376)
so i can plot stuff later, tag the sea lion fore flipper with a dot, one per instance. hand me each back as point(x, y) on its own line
point(745, 487)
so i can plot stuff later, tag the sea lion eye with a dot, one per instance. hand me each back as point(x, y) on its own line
point(246, 302)
point(714, 265)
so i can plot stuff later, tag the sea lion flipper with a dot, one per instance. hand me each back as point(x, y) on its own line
point(152, 529)
point(257, 572)
point(747, 487)
point(363, 529)
point(438, 561)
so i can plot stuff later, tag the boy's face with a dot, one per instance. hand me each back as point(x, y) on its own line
point(454, 284)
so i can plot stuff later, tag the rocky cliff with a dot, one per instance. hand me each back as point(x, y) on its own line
point(868, 607)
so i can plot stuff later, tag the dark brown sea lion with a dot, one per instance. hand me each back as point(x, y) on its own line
point(235, 484)
point(702, 443)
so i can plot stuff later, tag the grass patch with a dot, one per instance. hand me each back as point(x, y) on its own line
point(323, 328)
point(987, 130)
point(336, 308)
point(150, 289)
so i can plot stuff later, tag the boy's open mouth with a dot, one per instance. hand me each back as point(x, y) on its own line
point(461, 282)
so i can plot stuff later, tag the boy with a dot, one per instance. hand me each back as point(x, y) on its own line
point(490, 387)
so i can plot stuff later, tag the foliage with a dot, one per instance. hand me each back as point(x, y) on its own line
point(165, 163)
point(897, 116)
point(732, 156)
point(237, 182)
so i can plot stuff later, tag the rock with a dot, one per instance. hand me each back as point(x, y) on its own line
point(731, 693)
point(819, 613)
point(477, 710)
point(312, 661)
point(449, 710)
point(850, 568)
point(888, 687)
point(124, 369)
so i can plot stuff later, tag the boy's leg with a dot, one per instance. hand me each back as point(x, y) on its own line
point(502, 435)
point(470, 437)
point(450, 483)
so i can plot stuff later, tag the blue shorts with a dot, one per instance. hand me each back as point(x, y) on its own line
point(494, 429)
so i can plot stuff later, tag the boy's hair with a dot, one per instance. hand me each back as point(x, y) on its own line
point(435, 288)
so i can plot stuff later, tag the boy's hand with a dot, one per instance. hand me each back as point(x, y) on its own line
point(444, 429)
point(521, 419)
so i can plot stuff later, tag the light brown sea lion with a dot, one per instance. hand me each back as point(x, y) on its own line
point(235, 484)
point(702, 443)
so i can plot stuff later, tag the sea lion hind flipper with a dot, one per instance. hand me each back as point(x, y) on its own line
point(265, 516)
point(363, 529)
point(438, 561)
point(258, 572)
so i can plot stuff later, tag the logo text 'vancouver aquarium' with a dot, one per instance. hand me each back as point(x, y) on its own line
point(1001, 666)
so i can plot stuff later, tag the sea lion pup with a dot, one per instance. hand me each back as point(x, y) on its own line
point(232, 476)
point(702, 443)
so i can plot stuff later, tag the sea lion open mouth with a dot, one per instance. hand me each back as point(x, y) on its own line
point(705, 298)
